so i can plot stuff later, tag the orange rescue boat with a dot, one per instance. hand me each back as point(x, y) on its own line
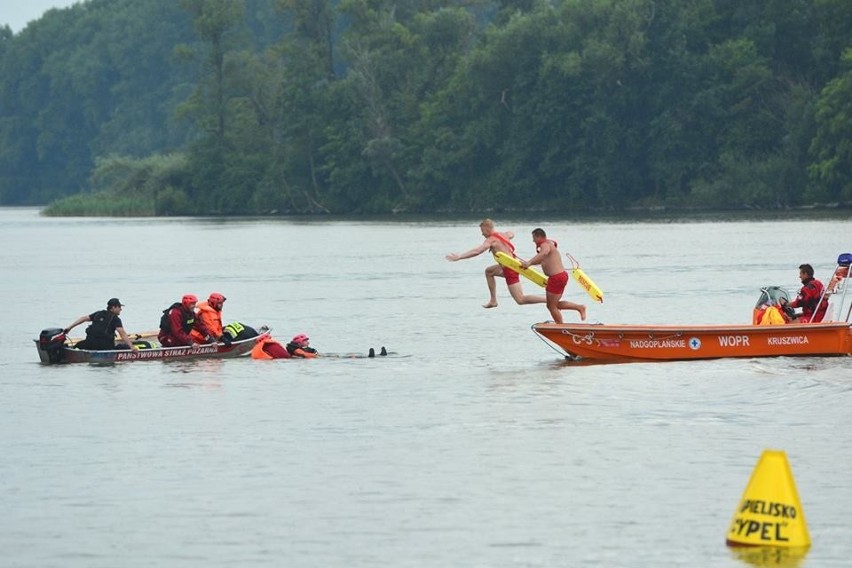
point(625, 343)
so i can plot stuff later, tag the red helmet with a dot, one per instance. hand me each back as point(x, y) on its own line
point(216, 300)
point(188, 300)
point(300, 339)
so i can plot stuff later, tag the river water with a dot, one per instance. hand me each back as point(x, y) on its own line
point(472, 444)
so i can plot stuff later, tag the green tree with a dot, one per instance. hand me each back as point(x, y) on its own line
point(218, 24)
point(831, 170)
point(81, 82)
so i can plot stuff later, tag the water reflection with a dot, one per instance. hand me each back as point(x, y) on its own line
point(770, 556)
point(204, 373)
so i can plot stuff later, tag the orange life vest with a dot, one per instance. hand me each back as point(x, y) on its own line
point(769, 315)
point(258, 352)
point(501, 237)
point(210, 318)
point(306, 354)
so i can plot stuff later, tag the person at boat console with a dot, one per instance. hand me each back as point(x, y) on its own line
point(179, 320)
point(210, 315)
point(813, 310)
point(100, 335)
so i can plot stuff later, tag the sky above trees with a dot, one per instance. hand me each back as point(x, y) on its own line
point(17, 14)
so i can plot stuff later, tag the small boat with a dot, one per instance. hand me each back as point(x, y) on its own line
point(626, 343)
point(54, 347)
point(675, 343)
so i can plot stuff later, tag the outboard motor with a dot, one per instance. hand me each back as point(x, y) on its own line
point(50, 345)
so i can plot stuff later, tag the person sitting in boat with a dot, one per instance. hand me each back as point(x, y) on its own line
point(209, 313)
point(105, 323)
point(238, 332)
point(178, 321)
point(809, 296)
point(299, 346)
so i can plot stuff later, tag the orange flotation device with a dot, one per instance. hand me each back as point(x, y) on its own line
point(211, 318)
point(772, 315)
point(268, 348)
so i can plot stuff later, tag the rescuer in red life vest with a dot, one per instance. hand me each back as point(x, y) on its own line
point(809, 296)
point(177, 322)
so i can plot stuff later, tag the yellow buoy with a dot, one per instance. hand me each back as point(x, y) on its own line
point(586, 283)
point(770, 513)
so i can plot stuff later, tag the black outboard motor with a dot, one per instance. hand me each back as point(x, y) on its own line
point(50, 345)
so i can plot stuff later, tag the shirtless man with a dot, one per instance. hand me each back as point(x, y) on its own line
point(499, 242)
point(551, 264)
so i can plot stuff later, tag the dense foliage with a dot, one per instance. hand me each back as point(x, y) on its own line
point(374, 106)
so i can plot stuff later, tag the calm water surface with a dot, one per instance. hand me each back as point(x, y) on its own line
point(475, 445)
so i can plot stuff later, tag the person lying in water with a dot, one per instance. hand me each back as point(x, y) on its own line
point(298, 347)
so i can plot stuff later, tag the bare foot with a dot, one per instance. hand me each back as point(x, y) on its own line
point(582, 310)
point(491, 304)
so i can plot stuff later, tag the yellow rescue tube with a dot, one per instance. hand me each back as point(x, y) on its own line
point(586, 283)
point(513, 263)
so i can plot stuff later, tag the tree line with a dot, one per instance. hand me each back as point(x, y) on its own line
point(377, 106)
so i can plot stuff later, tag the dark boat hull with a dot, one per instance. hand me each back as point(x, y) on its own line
point(207, 351)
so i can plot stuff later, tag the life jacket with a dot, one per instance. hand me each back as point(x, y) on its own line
point(555, 245)
point(237, 331)
point(211, 318)
point(809, 295)
point(813, 310)
point(772, 315)
point(500, 237)
point(100, 328)
point(296, 350)
point(258, 351)
point(186, 324)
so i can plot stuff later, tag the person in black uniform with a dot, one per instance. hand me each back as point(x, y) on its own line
point(105, 323)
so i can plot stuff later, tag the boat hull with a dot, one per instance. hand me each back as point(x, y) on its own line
point(206, 351)
point(677, 343)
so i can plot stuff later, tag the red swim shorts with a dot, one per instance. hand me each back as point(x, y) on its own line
point(557, 282)
point(512, 277)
